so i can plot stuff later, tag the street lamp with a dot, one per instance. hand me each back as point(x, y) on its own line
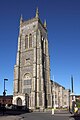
point(4, 93)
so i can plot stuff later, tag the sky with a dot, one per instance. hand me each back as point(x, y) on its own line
point(63, 25)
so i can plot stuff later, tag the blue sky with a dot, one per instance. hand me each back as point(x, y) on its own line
point(63, 23)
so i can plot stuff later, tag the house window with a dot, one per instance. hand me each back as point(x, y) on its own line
point(26, 41)
point(30, 40)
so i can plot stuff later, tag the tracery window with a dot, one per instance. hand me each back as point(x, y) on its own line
point(27, 90)
point(30, 40)
point(26, 41)
point(27, 82)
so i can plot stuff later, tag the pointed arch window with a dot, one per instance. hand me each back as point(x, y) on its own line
point(30, 40)
point(26, 41)
point(27, 81)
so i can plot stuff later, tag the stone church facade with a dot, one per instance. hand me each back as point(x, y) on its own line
point(32, 85)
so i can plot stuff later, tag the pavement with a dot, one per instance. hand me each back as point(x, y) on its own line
point(11, 115)
point(10, 118)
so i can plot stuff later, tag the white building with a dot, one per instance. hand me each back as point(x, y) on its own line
point(60, 95)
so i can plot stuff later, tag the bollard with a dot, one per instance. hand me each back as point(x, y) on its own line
point(52, 111)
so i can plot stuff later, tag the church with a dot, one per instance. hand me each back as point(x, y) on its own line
point(32, 84)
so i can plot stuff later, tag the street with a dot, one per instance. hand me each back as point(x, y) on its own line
point(47, 116)
point(22, 115)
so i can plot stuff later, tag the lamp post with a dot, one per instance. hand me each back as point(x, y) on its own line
point(4, 93)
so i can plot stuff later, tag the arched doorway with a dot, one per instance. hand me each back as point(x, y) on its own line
point(19, 103)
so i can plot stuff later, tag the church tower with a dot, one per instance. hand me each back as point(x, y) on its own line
point(32, 86)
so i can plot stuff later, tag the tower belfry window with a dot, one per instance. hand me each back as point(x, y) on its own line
point(30, 40)
point(26, 41)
